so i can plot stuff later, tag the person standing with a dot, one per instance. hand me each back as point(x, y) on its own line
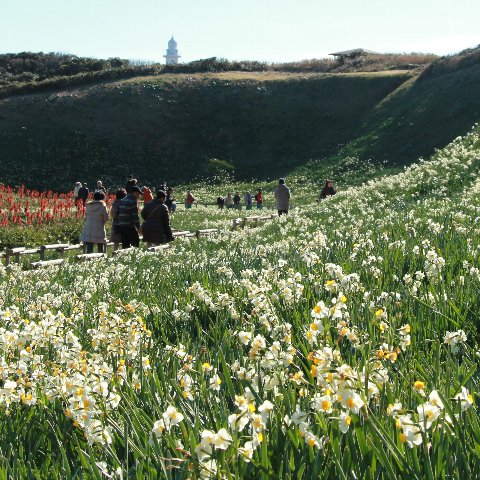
point(131, 182)
point(170, 200)
point(100, 188)
point(229, 200)
point(83, 194)
point(156, 228)
point(327, 190)
point(128, 222)
point(189, 200)
point(115, 236)
point(282, 197)
point(76, 189)
point(248, 201)
point(259, 200)
point(94, 229)
point(147, 195)
point(236, 201)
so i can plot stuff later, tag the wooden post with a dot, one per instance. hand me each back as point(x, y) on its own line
point(13, 252)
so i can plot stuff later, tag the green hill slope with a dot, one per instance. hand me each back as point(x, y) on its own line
point(172, 126)
point(424, 114)
point(259, 125)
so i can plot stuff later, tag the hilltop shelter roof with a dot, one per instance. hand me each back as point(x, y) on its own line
point(354, 51)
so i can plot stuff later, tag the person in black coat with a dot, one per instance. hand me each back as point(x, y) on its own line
point(83, 193)
point(327, 190)
point(170, 201)
point(156, 227)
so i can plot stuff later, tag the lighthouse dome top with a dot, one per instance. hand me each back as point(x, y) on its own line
point(172, 55)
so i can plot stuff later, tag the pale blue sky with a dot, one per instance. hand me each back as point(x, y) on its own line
point(271, 30)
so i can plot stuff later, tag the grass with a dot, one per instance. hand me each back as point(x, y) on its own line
point(172, 126)
point(414, 120)
point(103, 131)
point(218, 359)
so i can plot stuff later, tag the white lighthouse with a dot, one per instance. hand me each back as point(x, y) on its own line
point(172, 55)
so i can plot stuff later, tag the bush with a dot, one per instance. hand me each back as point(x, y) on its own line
point(465, 59)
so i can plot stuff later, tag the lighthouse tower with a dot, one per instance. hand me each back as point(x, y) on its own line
point(172, 55)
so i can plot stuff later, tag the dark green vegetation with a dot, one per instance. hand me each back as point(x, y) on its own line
point(28, 72)
point(187, 128)
point(424, 114)
point(172, 126)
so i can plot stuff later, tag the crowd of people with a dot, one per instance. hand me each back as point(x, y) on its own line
point(125, 216)
point(236, 200)
point(156, 228)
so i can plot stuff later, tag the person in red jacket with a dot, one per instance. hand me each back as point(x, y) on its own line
point(147, 195)
point(189, 200)
point(259, 200)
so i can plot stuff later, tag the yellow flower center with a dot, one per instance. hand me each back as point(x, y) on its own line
point(326, 405)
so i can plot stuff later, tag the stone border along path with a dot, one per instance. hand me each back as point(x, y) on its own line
point(16, 253)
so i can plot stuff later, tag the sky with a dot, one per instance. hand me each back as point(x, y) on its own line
point(266, 30)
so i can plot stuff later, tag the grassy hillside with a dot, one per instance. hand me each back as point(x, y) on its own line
point(172, 126)
point(257, 125)
point(424, 114)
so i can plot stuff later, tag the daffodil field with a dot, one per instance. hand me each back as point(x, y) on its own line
point(339, 342)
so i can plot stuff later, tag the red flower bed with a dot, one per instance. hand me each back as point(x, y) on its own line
point(24, 207)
